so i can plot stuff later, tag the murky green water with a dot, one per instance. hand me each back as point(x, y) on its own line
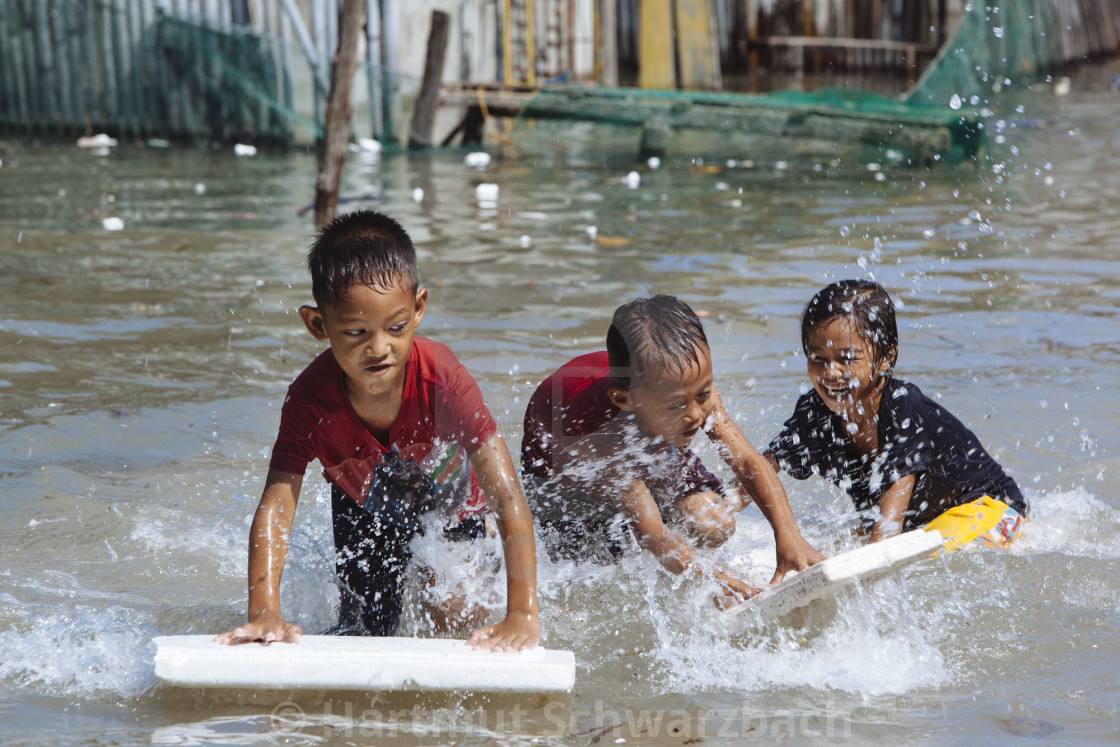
point(142, 372)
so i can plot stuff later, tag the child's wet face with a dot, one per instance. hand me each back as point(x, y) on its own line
point(844, 368)
point(371, 333)
point(673, 404)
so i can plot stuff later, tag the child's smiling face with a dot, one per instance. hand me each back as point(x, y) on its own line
point(845, 370)
point(370, 333)
point(671, 404)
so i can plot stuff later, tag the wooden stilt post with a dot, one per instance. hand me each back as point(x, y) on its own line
point(608, 43)
point(423, 116)
point(332, 152)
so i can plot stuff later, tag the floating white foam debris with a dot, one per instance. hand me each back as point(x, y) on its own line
point(486, 193)
point(722, 186)
point(418, 195)
point(874, 166)
point(241, 149)
point(780, 166)
point(633, 180)
point(479, 159)
point(526, 241)
point(1062, 86)
point(592, 232)
point(100, 140)
point(200, 188)
point(369, 145)
point(880, 176)
point(112, 224)
point(654, 162)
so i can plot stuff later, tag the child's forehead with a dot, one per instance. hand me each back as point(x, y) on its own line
point(839, 331)
point(374, 299)
point(666, 378)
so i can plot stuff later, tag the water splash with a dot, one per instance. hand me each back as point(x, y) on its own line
point(83, 654)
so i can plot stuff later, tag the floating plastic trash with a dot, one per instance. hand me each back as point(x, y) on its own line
point(654, 162)
point(100, 140)
point(478, 159)
point(241, 149)
point(418, 195)
point(112, 224)
point(369, 145)
point(200, 188)
point(526, 241)
point(633, 180)
point(486, 192)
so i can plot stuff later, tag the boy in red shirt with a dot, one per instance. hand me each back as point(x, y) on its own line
point(400, 429)
point(606, 450)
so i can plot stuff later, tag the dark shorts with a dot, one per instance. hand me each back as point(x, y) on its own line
point(371, 563)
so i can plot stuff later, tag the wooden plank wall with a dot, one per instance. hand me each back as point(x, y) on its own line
point(74, 67)
point(77, 67)
point(1087, 30)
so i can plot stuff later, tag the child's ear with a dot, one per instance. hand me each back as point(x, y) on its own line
point(620, 398)
point(887, 362)
point(313, 319)
point(891, 357)
point(421, 304)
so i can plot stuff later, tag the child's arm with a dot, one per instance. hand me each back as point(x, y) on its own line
point(762, 484)
point(520, 629)
point(671, 551)
point(892, 508)
point(268, 547)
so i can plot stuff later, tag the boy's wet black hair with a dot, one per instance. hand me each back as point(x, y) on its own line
point(866, 303)
point(363, 247)
point(656, 332)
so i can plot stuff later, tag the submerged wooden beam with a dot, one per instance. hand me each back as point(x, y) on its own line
point(925, 132)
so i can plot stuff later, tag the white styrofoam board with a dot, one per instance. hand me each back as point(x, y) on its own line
point(834, 574)
point(320, 662)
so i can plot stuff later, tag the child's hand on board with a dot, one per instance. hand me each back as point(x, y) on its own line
point(794, 554)
point(733, 591)
point(270, 631)
point(515, 633)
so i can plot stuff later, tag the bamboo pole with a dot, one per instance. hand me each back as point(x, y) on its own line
point(390, 35)
point(332, 153)
point(530, 46)
point(8, 100)
point(373, 57)
point(507, 43)
point(62, 43)
point(44, 72)
point(26, 47)
point(608, 42)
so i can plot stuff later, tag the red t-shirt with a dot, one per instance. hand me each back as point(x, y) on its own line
point(572, 402)
point(442, 420)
